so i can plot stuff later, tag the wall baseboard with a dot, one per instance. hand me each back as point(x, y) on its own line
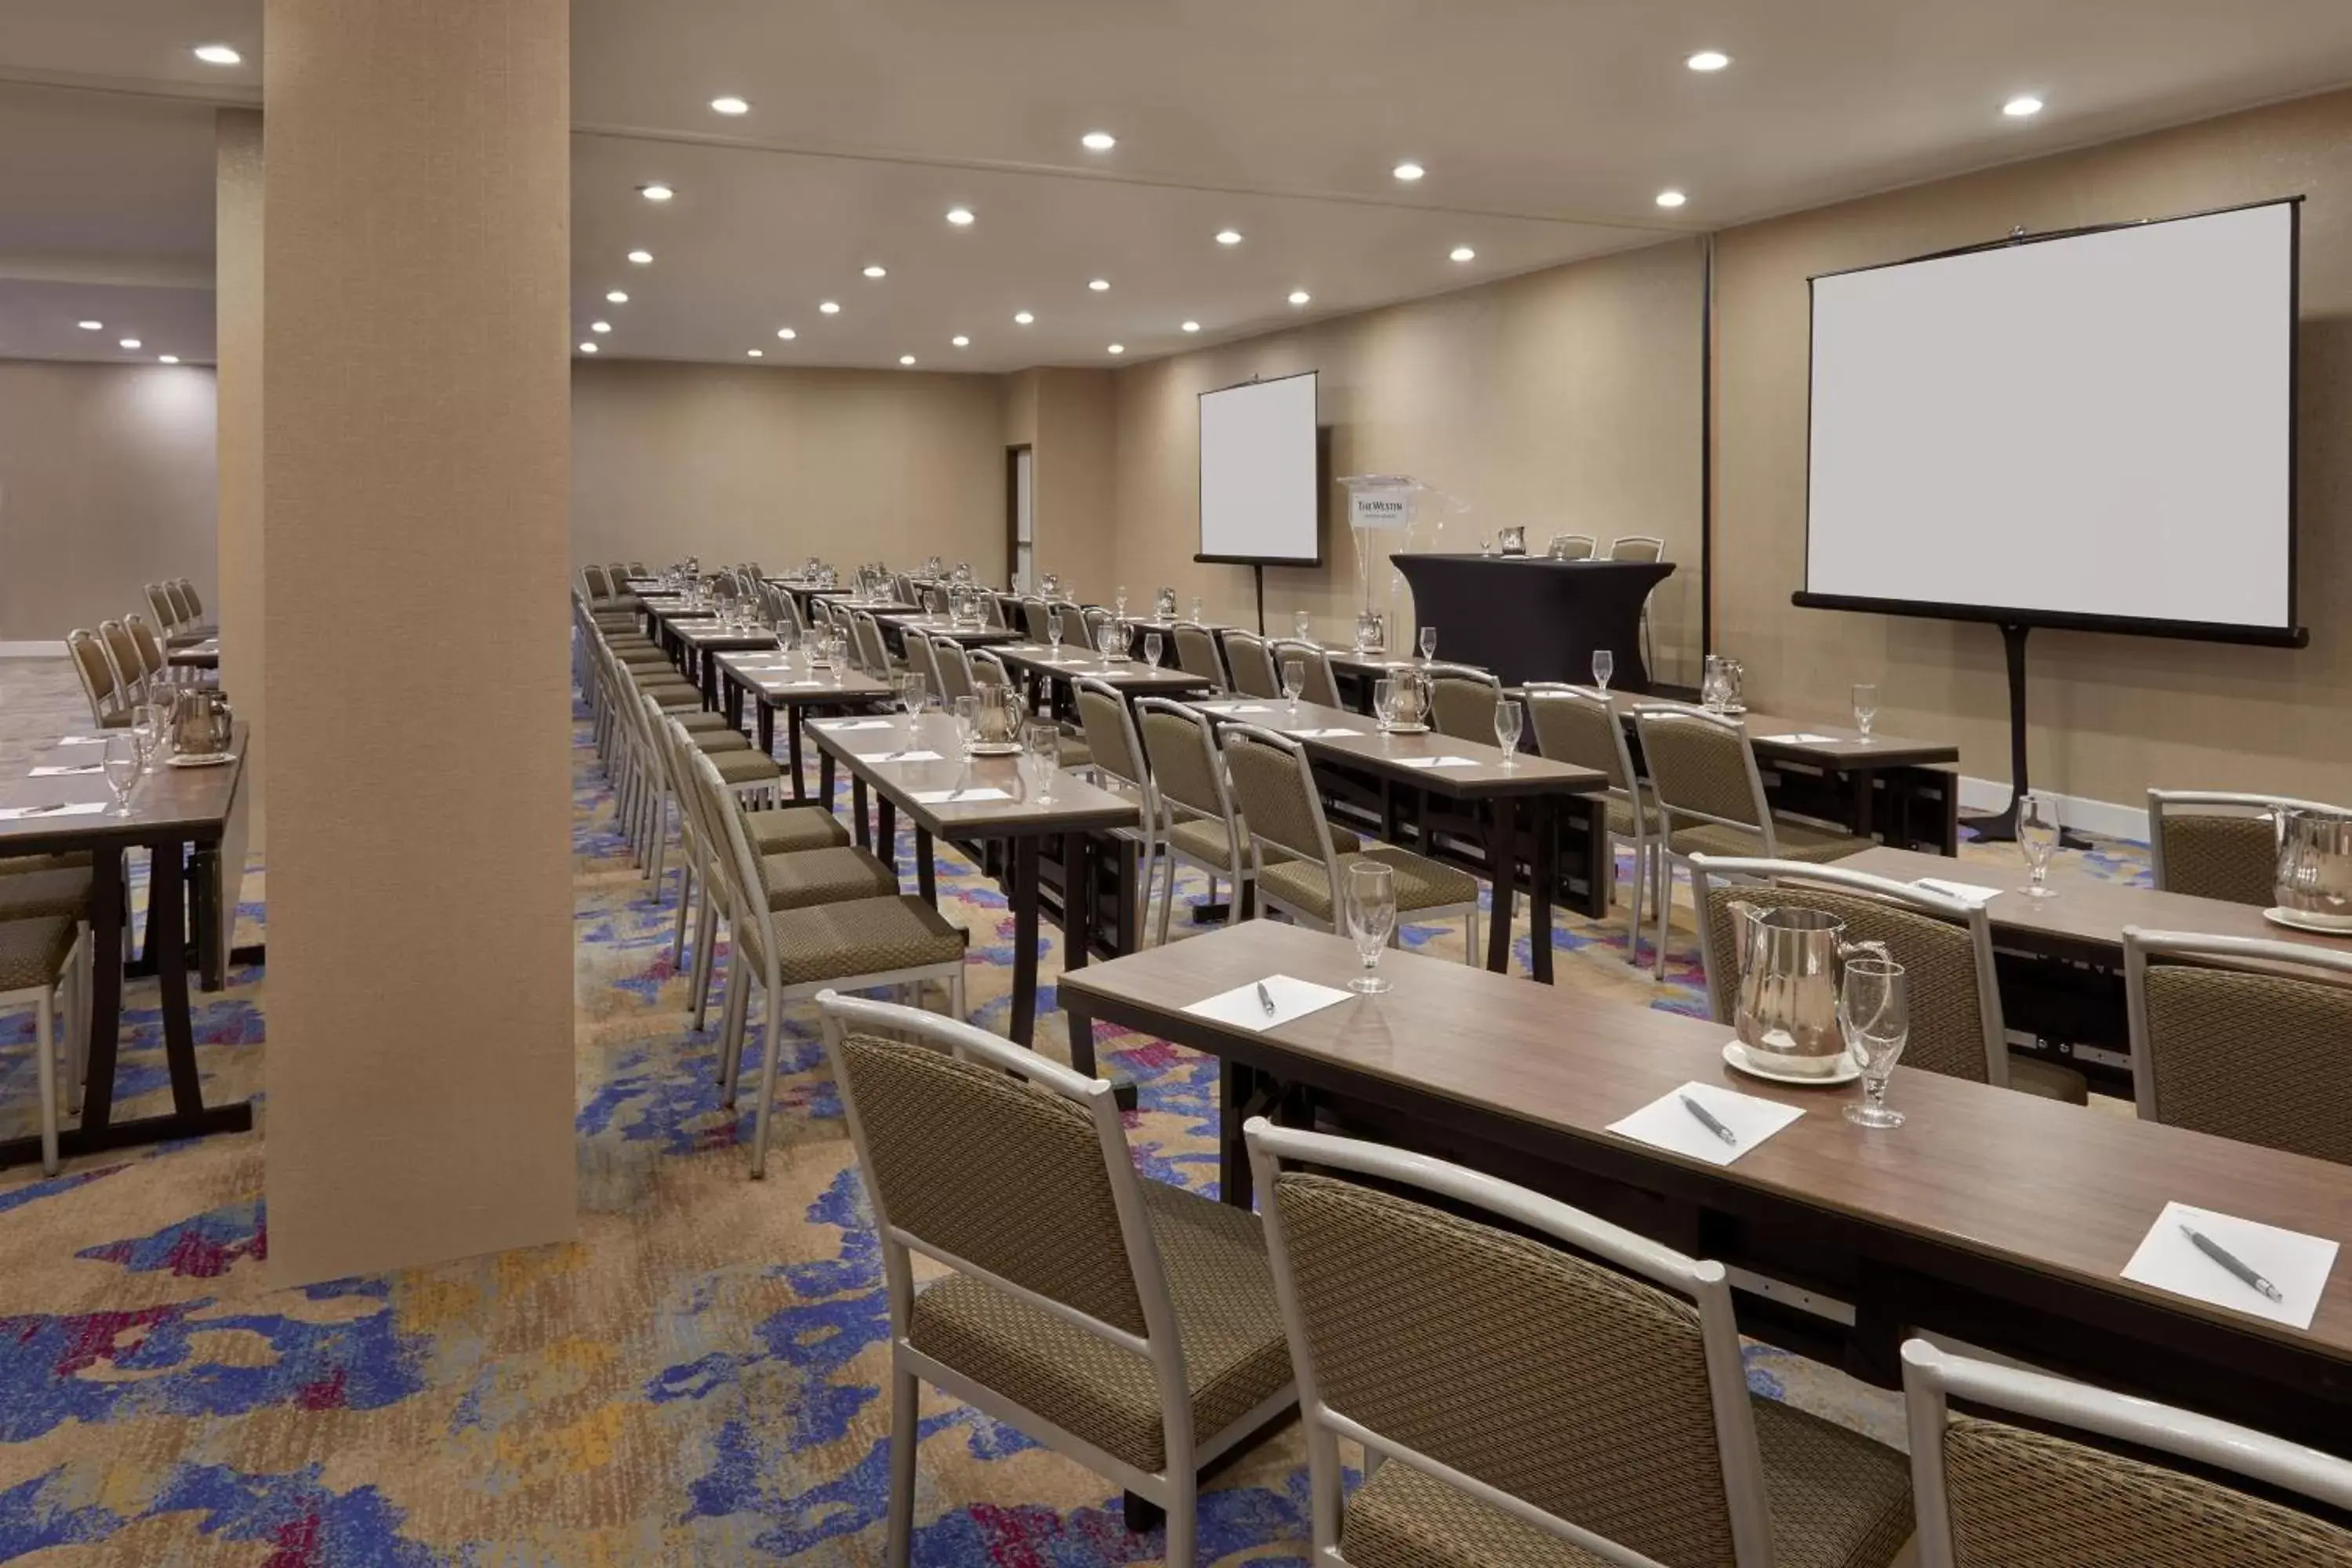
point(2104, 817)
point(32, 650)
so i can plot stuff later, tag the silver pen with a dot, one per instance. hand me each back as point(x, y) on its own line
point(2214, 1250)
point(1706, 1120)
point(1266, 999)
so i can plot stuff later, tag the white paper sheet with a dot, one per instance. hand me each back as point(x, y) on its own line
point(854, 724)
point(1234, 707)
point(1802, 738)
point(1969, 893)
point(2297, 1264)
point(83, 808)
point(1446, 762)
point(58, 771)
point(956, 796)
point(1242, 1007)
point(82, 741)
point(907, 757)
point(1667, 1123)
point(1321, 734)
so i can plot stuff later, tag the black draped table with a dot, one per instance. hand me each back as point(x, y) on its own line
point(1529, 617)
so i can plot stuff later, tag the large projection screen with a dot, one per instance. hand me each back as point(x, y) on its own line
point(2091, 430)
point(1260, 491)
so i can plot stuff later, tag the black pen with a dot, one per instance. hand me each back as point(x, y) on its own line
point(2214, 1250)
point(1266, 999)
point(1706, 1120)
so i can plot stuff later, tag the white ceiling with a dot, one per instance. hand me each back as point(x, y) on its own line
point(1546, 128)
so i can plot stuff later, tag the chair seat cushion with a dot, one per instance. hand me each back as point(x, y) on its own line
point(702, 723)
point(719, 741)
point(862, 936)
point(797, 879)
point(1838, 1501)
point(1203, 839)
point(1235, 1356)
point(745, 767)
point(2028, 1074)
point(45, 885)
point(1421, 883)
point(670, 697)
point(793, 827)
point(1075, 753)
point(641, 657)
point(1622, 821)
point(33, 950)
point(1797, 841)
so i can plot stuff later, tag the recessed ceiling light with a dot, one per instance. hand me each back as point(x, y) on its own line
point(1022, 318)
point(1299, 296)
point(829, 307)
point(600, 326)
point(1462, 253)
point(730, 105)
point(755, 353)
point(218, 54)
point(786, 334)
point(587, 348)
point(130, 343)
point(1708, 60)
point(642, 257)
point(906, 359)
point(959, 217)
point(2021, 107)
point(167, 359)
point(1408, 171)
point(1097, 284)
point(657, 191)
point(1192, 326)
point(1116, 349)
point(1229, 236)
point(1099, 141)
point(877, 270)
point(618, 297)
point(91, 326)
point(960, 341)
point(1671, 198)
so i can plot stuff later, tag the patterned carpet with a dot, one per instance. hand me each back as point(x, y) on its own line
point(698, 1379)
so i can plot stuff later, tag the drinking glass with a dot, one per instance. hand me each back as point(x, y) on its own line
point(1119, 601)
point(1714, 690)
point(1384, 703)
point(1429, 642)
point(1865, 707)
point(122, 765)
point(1510, 718)
point(1372, 917)
point(1151, 648)
point(2037, 837)
point(1196, 609)
point(152, 728)
point(1053, 630)
point(907, 691)
point(1605, 664)
point(838, 644)
point(1044, 759)
point(1294, 682)
point(1302, 626)
point(1874, 1014)
point(967, 722)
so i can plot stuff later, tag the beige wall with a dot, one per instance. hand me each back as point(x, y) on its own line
point(1075, 438)
point(238, 294)
point(775, 464)
point(2112, 715)
point(107, 476)
point(1566, 401)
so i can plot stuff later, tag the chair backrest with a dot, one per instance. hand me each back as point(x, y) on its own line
point(923, 660)
point(637, 569)
point(1035, 618)
point(1196, 653)
point(1096, 618)
point(1637, 547)
point(1702, 769)
point(1322, 686)
point(2220, 844)
point(1570, 547)
point(2253, 1055)
point(989, 670)
point(152, 660)
point(1252, 667)
point(1462, 699)
point(1180, 744)
point(599, 582)
point(2090, 1505)
point(1944, 946)
point(195, 604)
point(167, 616)
point(96, 672)
point(1073, 621)
point(1111, 738)
point(904, 588)
point(122, 653)
point(1008, 1167)
point(1581, 727)
point(952, 666)
point(1273, 787)
point(873, 653)
point(182, 614)
point(1601, 1402)
point(992, 606)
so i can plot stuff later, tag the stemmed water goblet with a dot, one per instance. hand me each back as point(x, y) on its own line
point(1866, 706)
point(1605, 664)
point(1428, 643)
point(1874, 1015)
point(121, 764)
point(2037, 838)
point(1372, 920)
point(1294, 682)
point(1510, 718)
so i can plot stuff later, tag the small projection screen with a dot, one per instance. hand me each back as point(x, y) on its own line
point(1260, 490)
point(2092, 431)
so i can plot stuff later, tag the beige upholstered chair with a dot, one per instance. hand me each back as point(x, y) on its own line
point(814, 944)
point(160, 605)
point(1197, 654)
point(187, 592)
point(2253, 1055)
point(45, 957)
point(1991, 1494)
point(952, 666)
point(1072, 619)
point(1570, 547)
point(1115, 752)
point(1202, 828)
point(597, 581)
point(1522, 1404)
point(2220, 844)
point(1636, 547)
point(1300, 869)
point(922, 661)
point(122, 656)
point(1944, 945)
point(1253, 666)
point(1579, 727)
point(108, 706)
point(1322, 686)
point(1462, 699)
point(154, 665)
point(1036, 614)
point(1124, 1322)
point(1703, 774)
point(992, 606)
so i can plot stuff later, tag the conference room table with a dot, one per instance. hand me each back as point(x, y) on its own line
point(184, 817)
point(793, 688)
point(1998, 1218)
point(205, 654)
point(1046, 668)
point(697, 642)
point(971, 800)
point(924, 624)
point(1479, 782)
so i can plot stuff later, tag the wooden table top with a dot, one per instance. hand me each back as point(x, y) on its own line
point(205, 654)
point(1132, 676)
point(2087, 913)
point(1078, 807)
point(946, 626)
point(2057, 1188)
point(1392, 754)
point(767, 677)
point(711, 635)
point(169, 805)
point(1843, 750)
